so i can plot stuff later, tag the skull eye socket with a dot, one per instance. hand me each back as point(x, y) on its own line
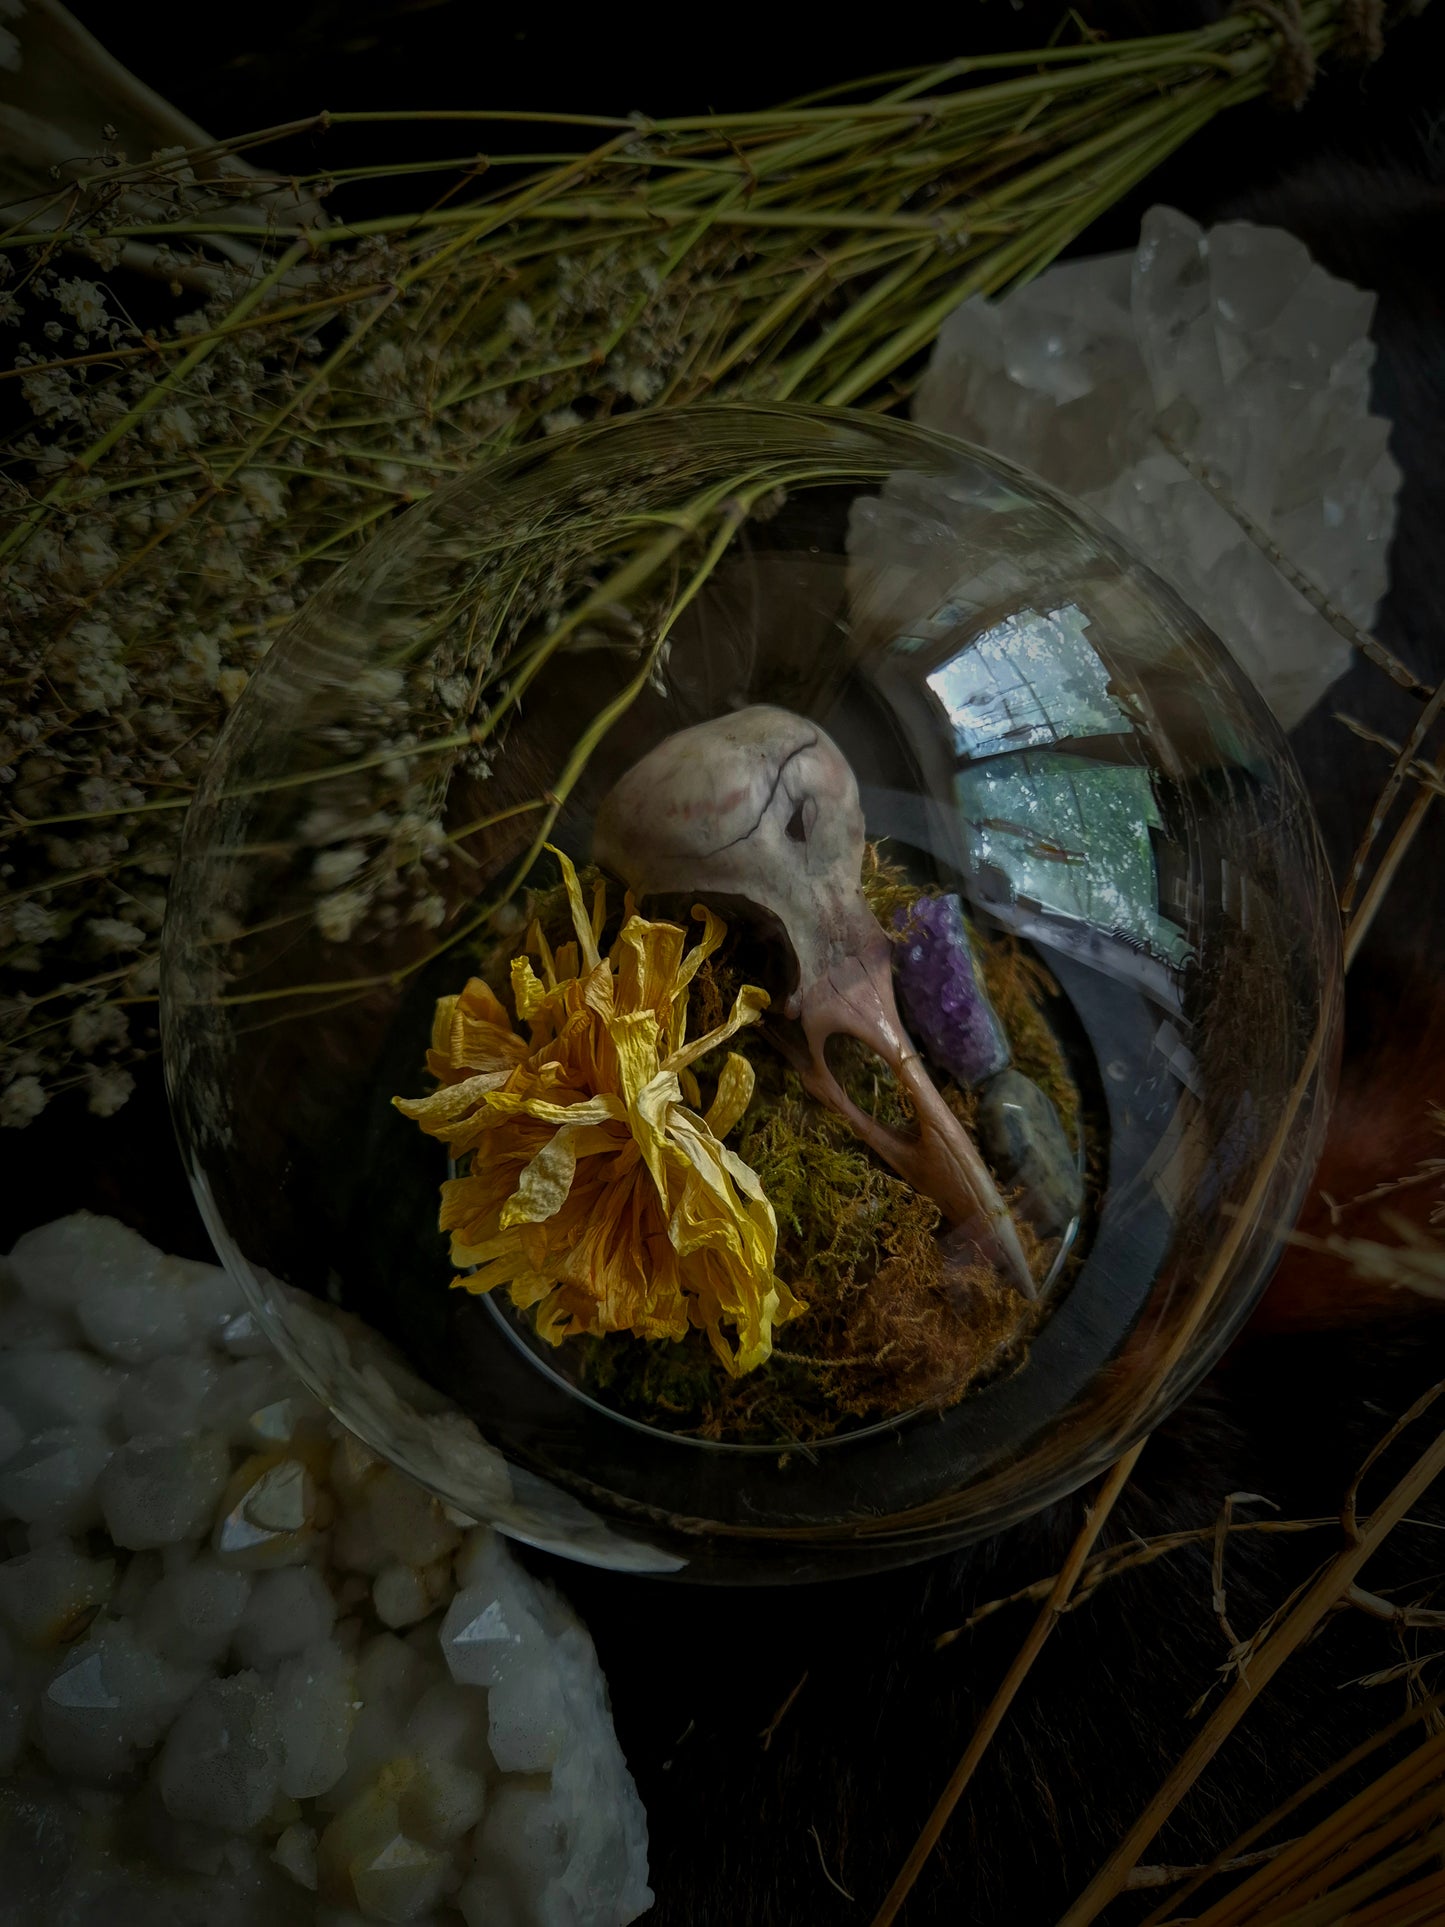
point(797, 830)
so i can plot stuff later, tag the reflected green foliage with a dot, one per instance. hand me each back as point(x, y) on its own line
point(1072, 836)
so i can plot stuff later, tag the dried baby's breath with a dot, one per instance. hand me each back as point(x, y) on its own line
point(222, 395)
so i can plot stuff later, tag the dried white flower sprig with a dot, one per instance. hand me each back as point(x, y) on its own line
point(196, 452)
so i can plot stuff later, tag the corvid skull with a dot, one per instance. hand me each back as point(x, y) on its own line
point(762, 806)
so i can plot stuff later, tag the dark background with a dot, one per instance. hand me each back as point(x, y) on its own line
point(748, 1833)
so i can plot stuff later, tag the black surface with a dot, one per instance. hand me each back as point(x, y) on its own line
point(748, 1833)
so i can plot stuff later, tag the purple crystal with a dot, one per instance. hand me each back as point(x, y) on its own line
point(944, 1002)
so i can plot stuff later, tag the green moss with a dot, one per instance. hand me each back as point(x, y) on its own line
point(678, 1379)
point(685, 1387)
point(832, 1197)
point(888, 887)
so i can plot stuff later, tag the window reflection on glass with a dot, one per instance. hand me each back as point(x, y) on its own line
point(1031, 680)
point(1061, 823)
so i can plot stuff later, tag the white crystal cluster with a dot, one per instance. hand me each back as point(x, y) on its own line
point(1248, 356)
point(250, 1673)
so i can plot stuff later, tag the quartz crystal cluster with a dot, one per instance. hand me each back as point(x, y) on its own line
point(247, 1671)
point(1236, 348)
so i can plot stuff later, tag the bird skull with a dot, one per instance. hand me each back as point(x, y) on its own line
point(762, 807)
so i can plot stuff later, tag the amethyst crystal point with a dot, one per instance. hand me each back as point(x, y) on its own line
point(946, 1005)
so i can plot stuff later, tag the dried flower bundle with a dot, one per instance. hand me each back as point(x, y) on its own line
point(201, 451)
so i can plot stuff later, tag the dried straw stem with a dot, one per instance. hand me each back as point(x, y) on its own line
point(1369, 646)
point(1358, 926)
point(809, 252)
point(1240, 1847)
point(1315, 1880)
point(1008, 1689)
point(1317, 1600)
point(1413, 743)
point(1158, 1373)
point(1114, 1560)
point(1384, 659)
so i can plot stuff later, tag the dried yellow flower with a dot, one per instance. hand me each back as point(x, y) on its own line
point(596, 1192)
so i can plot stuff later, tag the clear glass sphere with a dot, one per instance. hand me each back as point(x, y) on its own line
point(982, 879)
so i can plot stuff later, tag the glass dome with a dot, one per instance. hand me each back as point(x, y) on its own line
point(880, 978)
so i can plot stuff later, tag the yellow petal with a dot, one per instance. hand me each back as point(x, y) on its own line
point(755, 1339)
point(536, 941)
point(789, 1304)
point(748, 1008)
point(452, 1101)
point(645, 959)
point(634, 1037)
point(481, 1036)
point(528, 992)
point(704, 1155)
point(472, 1205)
point(441, 1025)
point(542, 1188)
point(733, 1095)
point(713, 932)
point(581, 922)
point(599, 909)
point(602, 1109)
point(544, 1185)
point(743, 1175)
point(480, 1003)
point(651, 1111)
point(597, 990)
point(695, 1145)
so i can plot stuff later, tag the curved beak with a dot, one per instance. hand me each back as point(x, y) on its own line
point(854, 997)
